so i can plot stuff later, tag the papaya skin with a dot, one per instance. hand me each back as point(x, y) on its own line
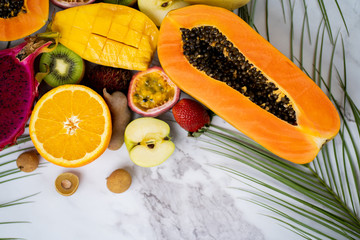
point(317, 118)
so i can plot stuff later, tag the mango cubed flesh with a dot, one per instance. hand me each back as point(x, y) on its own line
point(110, 52)
point(95, 46)
point(108, 34)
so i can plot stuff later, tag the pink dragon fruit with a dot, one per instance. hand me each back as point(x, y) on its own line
point(18, 88)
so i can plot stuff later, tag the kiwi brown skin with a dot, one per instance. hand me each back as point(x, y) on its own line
point(64, 59)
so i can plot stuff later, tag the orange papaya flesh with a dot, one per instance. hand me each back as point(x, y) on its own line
point(299, 140)
point(19, 19)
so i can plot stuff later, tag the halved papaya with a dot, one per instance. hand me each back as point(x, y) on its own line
point(21, 18)
point(218, 59)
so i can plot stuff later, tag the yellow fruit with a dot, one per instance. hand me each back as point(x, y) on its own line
point(70, 125)
point(228, 4)
point(108, 34)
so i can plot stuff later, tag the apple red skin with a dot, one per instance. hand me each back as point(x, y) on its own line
point(190, 115)
point(64, 4)
point(159, 110)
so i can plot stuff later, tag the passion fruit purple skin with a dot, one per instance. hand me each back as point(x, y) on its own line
point(68, 4)
point(160, 109)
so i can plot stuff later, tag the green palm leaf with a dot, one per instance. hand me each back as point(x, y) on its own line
point(9, 173)
point(320, 200)
point(11, 238)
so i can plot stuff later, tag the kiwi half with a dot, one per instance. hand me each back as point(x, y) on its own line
point(64, 66)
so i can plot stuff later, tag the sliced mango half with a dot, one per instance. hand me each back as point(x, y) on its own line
point(108, 34)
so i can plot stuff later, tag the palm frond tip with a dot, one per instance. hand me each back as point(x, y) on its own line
point(325, 193)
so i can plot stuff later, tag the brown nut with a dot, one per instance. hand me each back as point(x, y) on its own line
point(66, 183)
point(119, 181)
point(28, 161)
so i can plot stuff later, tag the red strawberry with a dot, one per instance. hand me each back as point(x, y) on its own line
point(190, 115)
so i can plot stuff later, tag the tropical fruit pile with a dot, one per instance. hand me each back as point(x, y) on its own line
point(97, 59)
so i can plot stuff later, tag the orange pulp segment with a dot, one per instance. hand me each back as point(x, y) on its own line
point(70, 125)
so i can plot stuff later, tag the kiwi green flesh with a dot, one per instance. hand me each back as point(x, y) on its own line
point(64, 66)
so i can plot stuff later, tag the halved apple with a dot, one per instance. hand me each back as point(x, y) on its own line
point(147, 141)
point(129, 3)
point(156, 10)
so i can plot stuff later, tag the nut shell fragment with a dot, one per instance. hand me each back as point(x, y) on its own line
point(66, 183)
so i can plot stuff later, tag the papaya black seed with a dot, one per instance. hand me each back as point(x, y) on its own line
point(11, 8)
point(208, 50)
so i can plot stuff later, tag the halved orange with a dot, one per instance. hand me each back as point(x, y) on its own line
point(70, 125)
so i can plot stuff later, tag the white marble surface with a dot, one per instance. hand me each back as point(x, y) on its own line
point(185, 197)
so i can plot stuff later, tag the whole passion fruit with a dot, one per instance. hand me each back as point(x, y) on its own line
point(152, 93)
point(71, 3)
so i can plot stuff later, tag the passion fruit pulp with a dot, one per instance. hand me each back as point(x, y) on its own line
point(152, 93)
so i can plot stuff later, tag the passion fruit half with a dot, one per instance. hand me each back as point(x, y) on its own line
point(71, 3)
point(152, 93)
